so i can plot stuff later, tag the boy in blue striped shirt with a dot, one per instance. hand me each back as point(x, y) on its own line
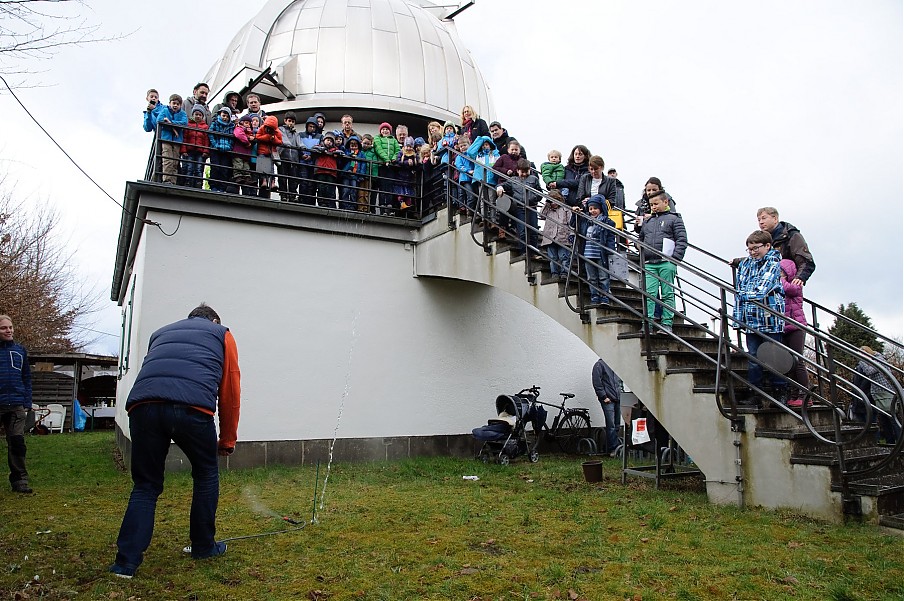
point(759, 279)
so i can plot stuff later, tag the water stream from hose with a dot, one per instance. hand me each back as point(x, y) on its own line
point(348, 376)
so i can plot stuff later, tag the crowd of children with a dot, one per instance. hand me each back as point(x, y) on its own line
point(250, 153)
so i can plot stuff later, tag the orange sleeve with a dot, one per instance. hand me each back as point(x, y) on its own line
point(230, 395)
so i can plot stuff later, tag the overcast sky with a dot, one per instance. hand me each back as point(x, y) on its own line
point(734, 105)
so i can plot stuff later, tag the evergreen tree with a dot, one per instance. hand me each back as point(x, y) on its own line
point(851, 333)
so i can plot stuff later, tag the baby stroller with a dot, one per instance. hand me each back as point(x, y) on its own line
point(507, 436)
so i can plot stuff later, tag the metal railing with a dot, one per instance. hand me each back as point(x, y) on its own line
point(381, 188)
point(705, 297)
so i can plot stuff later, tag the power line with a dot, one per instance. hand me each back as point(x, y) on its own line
point(77, 166)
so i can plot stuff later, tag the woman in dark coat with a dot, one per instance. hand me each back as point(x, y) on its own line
point(578, 162)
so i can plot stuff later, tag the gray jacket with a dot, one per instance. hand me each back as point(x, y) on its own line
point(291, 140)
point(660, 226)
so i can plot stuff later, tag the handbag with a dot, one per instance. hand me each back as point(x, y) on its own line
point(618, 266)
point(617, 216)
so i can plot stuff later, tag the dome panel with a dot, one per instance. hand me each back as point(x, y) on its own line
point(400, 7)
point(411, 59)
point(455, 82)
point(330, 77)
point(334, 14)
point(288, 21)
point(305, 42)
point(383, 17)
point(435, 77)
point(385, 52)
point(309, 17)
point(307, 65)
point(359, 66)
point(280, 46)
point(426, 26)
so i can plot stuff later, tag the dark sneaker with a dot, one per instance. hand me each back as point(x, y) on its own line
point(22, 487)
point(217, 550)
point(121, 571)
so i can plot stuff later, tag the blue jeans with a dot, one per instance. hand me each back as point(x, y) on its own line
point(348, 193)
point(462, 193)
point(516, 222)
point(193, 166)
point(559, 257)
point(612, 413)
point(598, 279)
point(755, 370)
point(152, 426)
point(221, 172)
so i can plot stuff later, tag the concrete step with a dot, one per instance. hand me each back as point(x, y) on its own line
point(854, 459)
point(895, 521)
point(689, 358)
point(690, 333)
point(886, 489)
point(804, 443)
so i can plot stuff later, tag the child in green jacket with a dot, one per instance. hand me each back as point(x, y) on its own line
point(553, 170)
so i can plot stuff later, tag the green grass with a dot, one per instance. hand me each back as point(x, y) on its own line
point(416, 530)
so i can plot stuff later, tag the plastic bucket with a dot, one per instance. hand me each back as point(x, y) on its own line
point(593, 471)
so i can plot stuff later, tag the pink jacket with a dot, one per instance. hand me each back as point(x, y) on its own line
point(794, 296)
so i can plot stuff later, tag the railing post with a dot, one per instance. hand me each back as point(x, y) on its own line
point(447, 176)
point(644, 321)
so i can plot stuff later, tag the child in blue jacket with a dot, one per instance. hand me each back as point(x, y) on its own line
point(220, 135)
point(353, 172)
point(171, 119)
point(600, 243)
point(483, 151)
point(464, 169)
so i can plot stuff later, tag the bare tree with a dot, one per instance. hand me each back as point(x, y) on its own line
point(37, 29)
point(38, 287)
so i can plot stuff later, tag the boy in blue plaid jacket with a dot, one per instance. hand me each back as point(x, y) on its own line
point(759, 279)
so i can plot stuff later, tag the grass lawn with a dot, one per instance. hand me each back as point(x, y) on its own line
point(417, 530)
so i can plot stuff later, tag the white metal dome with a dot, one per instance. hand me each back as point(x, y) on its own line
point(385, 55)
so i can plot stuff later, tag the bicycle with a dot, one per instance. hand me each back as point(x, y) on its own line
point(570, 427)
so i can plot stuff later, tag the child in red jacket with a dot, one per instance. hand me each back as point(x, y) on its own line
point(326, 170)
point(195, 149)
point(268, 139)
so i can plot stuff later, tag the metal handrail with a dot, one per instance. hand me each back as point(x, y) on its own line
point(840, 390)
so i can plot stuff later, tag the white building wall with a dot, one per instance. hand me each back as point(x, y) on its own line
point(319, 316)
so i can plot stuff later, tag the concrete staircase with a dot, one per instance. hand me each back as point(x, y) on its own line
point(761, 457)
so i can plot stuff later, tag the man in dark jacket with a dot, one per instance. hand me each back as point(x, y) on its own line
point(191, 370)
point(501, 138)
point(619, 190)
point(15, 402)
point(608, 391)
point(788, 240)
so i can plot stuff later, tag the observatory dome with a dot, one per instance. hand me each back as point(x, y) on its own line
point(382, 55)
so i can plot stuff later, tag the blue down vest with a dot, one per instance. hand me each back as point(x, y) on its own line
point(15, 375)
point(184, 364)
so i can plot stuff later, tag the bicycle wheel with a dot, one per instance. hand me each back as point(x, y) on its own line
point(573, 427)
